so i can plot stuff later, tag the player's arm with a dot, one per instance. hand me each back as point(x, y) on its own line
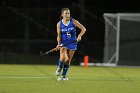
point(58, 36)
point(81, 27)
point(58, 33)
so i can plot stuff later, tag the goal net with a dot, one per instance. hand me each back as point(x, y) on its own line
point(122, 39)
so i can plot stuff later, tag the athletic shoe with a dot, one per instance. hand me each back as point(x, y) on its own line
point(57, 73)
point(64, 78)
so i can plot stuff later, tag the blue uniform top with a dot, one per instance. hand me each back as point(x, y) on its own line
point(68, 34)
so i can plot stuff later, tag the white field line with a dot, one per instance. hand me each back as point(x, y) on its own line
point(40, 77)
point(80, 77)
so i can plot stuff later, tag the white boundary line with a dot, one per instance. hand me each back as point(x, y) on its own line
point(80, 77)
point(24, 77)
point(39, 77)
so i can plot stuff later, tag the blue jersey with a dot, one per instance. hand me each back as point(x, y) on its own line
point(68, 34)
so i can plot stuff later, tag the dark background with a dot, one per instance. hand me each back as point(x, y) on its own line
point(30, 25)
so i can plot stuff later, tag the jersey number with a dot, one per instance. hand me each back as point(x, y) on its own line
point(68, 35)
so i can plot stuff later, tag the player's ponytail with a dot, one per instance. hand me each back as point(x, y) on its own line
point(61, 17)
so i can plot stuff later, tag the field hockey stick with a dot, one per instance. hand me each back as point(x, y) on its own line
point(55, 49)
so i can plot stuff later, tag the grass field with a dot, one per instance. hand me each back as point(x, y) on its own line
point(41, 79)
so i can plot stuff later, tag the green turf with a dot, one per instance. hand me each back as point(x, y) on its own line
point(41, 79)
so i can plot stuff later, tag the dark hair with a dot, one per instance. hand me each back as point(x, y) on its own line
point(62, 10)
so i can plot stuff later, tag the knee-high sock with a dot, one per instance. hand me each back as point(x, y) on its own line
point(65, 69)
point(60, 64)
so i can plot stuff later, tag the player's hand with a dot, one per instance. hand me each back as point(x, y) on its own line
point(58, 47)
point(78, 38)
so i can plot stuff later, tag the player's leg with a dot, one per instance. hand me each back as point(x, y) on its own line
point(61, 61)
point(68, 57)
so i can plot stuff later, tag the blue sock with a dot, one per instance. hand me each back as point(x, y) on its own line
point(65, 69)
point(60, 64)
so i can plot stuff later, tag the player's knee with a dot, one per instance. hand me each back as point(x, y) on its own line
point(67, 60)
point(62, 59)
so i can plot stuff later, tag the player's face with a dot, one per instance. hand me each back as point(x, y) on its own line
point(66, 14)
